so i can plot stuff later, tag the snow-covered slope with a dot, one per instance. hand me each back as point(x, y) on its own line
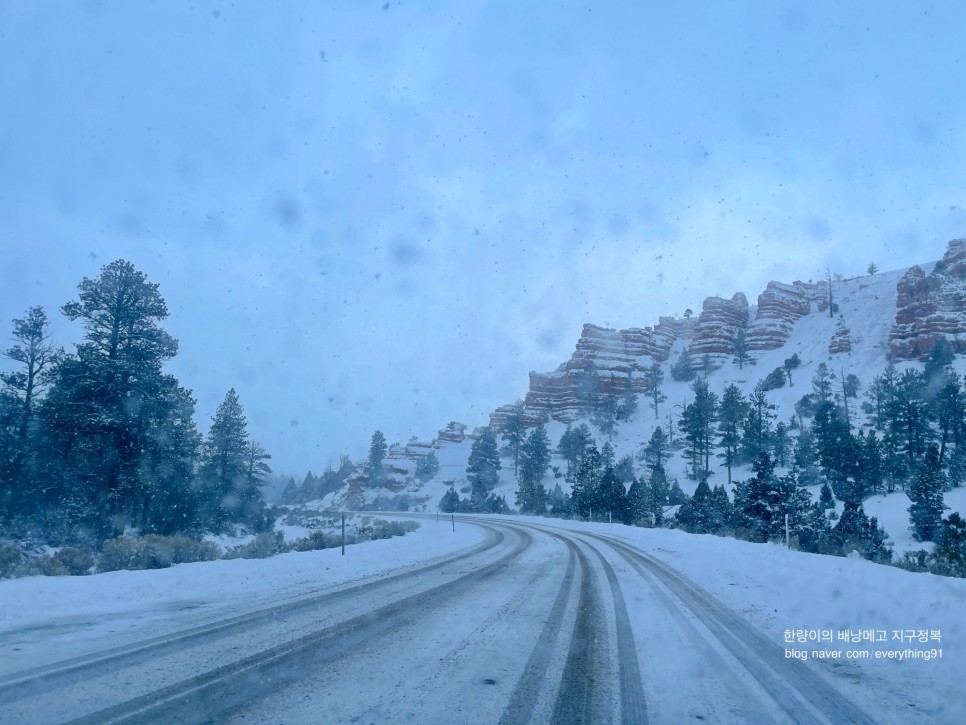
point(857, 332)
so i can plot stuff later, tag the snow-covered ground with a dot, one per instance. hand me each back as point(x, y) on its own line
point(781, 593)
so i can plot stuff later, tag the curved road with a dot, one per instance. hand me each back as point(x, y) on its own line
point(537, 623)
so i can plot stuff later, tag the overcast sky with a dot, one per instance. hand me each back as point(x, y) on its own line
point(373, 215)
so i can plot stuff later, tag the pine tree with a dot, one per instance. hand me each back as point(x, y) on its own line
point(781, 443)
point(586, 482)
point(950, 553)
point(576, 446)
point(640, 503)
point(612, 497)
point(115, 429)
point(656, 451)
point(826, 500)
point(654, 379)
point(806, 458)
point(22, 389)
point(683, 368)
point(483, 465)
point(741, 355)
point(628, 403)
point(697, 425)
point(660, 490)
point(377, 454)
point(731, 413)
point(427, 467)
point(694, 514)
point(224, 464)
point(720, 511)
point(514, 433)
point(606, 413)
point(757, 425)
point(790, 364)
point(926, 494)
point(534, 461)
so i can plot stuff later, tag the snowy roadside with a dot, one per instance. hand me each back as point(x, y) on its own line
point(59, 617)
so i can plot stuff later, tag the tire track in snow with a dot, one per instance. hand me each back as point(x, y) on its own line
point(214, 695)
point(804, 696)
point(528, 688)
point(583, 694)
point(39, 680)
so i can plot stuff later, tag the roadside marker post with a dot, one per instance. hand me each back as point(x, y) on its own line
point(343, 534)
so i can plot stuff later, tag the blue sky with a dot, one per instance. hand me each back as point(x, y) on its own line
point(366, 217)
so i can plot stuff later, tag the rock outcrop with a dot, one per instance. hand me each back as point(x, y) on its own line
point(601, 363)
point(718, 324)
point(453, 433)
point(780, 306)
point(931, 306)
point(841, 340)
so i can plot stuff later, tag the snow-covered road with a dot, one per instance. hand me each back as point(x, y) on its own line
point(527, 621)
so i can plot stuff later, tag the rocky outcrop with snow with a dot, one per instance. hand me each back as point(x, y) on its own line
point(931, 306)
point(841, 340)
point(717, 326)
point(780, 306)
point(453, 433)
point(600, 364)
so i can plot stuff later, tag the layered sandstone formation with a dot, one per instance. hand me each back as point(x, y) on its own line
point(717, 327)
point(931, 306)
point(780, 306)
point(841, 340)
point(601, 363)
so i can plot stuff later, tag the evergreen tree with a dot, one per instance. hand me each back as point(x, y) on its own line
point(628, 403)
point(559, 502)
point(950, 553)
point(660, 490)
point(697, 425)
point(573, 444)
point(774, 380)
point(22, 388)
point(756, 432)
point(781, 443)
point(115, 429)
point(790, 364)
point(675, 495)
point(822, 384)
point(515, 433)
point(290, 492)
point(926, 495)
point(720, 511)
point(871, 471)
point(611, 497)
point(483, 465)
point(656, 451)
point(606, 413)
point(640, 503)
point(683, 368)
point(427, 467)
point(586, 482)
point(806, 458)
point(377, 454)
point(224, 466)
point(731, 413)
point(534, 461)
point(694, 514)
point(826, 500)
point(450, 502)
point(654, 379)
point(741, 355)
